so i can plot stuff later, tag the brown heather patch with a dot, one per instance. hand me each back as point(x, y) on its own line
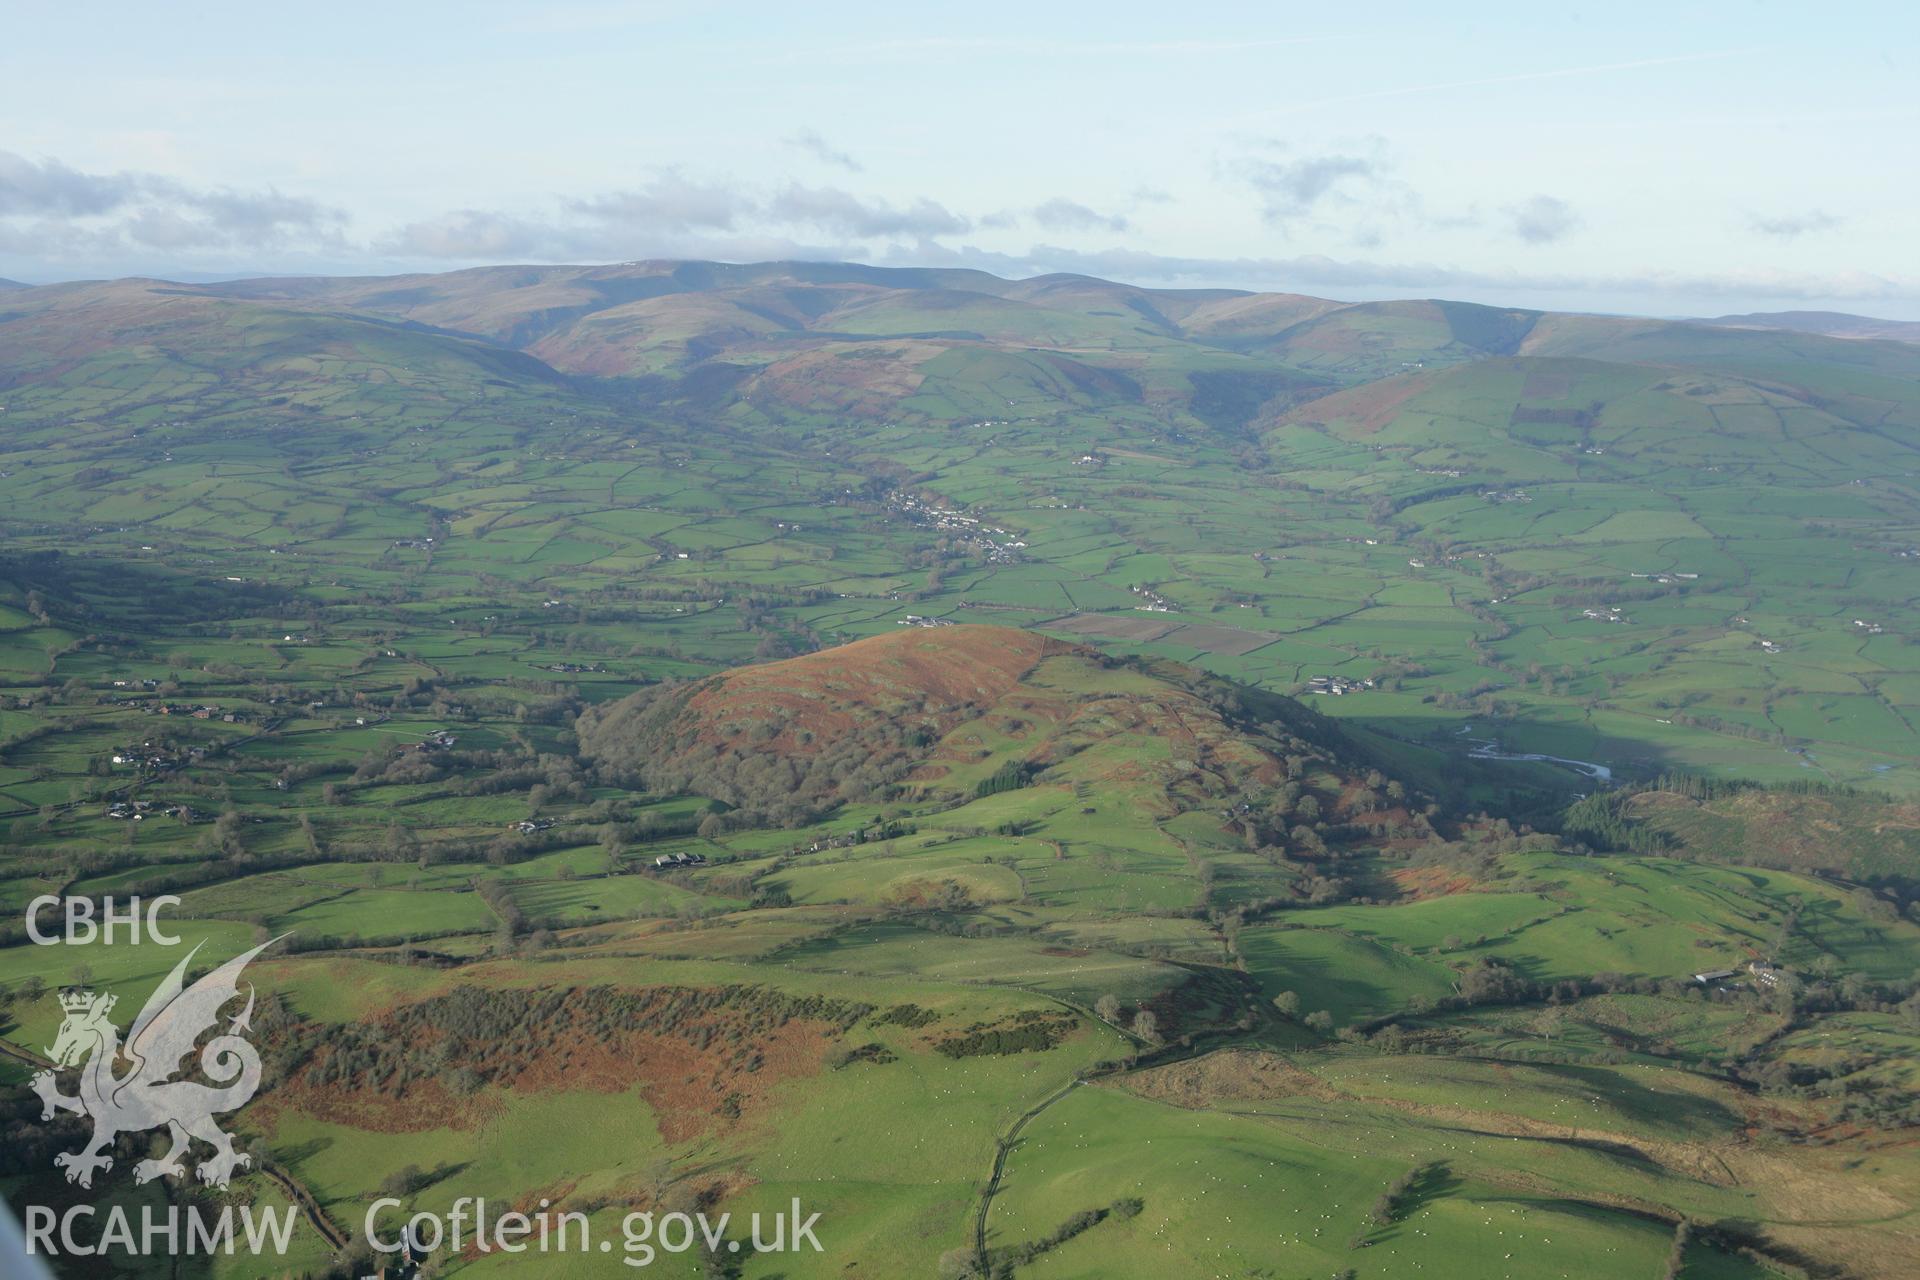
point(1269, 773)
point(701, 1057)
point(1365, 409)
point(940, 677)
point(867, 377)
point(687, 1087)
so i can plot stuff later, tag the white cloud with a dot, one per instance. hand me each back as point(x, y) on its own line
point(820, 149)
point(1057, 214)
point(668, 201)
point(846, 214)
point(1793, 226)
point(63, 209)
point(1291, 189)
point(1542, 220)
point(1061, 214)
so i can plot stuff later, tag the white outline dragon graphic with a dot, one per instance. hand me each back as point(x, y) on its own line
point(146, 1096)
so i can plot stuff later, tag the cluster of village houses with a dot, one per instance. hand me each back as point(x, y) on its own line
point(1155, 602)
point(200, 712)
point(1337, 685)
point(149, 755)
point(846, 841)
point(191, 710)
point(996, 544)
point(137, 810)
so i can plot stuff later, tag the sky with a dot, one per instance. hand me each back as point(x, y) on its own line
point(1670, 159)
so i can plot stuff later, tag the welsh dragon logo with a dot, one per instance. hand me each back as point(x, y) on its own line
point(146, 1096)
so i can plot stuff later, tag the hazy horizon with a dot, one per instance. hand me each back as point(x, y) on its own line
point(1577, 162)
point(212, 278)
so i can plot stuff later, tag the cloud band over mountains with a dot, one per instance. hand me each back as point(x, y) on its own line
point(70, 221)
point(51, 209)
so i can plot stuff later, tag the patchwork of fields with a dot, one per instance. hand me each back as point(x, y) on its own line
point(1016, 765)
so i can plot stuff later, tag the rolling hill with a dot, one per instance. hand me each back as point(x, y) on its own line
point(161, 332)
point(873, 329)
point(945, 714)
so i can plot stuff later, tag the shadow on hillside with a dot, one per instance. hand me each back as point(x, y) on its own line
point(1683, 1109)
point(1433, 1182)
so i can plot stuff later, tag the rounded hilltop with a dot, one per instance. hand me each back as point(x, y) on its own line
point(924, 672)
point(942, 714)
point(903, 689)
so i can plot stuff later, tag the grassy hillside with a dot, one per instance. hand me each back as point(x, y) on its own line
point(1113, 920)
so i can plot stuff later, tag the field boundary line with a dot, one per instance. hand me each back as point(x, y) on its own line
point(1003, 1147)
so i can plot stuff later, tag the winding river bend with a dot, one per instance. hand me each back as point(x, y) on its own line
point(1483, 750)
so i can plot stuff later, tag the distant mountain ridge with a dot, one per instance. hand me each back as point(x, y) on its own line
point(821, 344)
point(1831, 324)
